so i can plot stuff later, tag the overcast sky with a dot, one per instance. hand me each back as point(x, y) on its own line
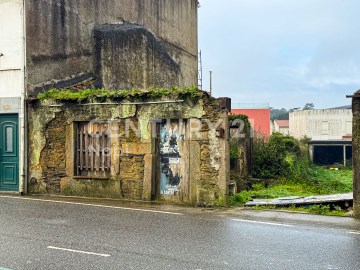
point(285, 52)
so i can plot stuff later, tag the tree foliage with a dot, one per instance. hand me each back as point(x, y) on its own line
point(309, 106)
point(279, 156)
point(279, 114)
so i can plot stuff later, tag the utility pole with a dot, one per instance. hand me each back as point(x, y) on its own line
point(200, 75)
point(211, 84)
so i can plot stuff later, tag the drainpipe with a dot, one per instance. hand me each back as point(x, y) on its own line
point(22, 115)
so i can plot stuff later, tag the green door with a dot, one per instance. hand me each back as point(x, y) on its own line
point(9, 153)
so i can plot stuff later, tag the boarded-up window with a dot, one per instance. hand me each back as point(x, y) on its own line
point(92, 149)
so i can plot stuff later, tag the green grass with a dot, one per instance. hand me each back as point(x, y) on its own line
point(313, 209)
point(321, 181)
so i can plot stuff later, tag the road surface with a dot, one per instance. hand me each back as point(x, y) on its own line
point(39, 234)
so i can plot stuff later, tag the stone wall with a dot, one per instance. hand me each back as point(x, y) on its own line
point(356, 153)
point(60, 43)
point(240, 139)
point(134, 158)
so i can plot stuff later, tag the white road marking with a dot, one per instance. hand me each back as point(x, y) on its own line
point(354, 232)
point(260, 222)
point(95, 205)
point(79, 251)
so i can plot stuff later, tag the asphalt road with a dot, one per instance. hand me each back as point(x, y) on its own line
point(37, 234)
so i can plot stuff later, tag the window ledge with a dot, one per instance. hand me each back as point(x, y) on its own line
point(90, 177)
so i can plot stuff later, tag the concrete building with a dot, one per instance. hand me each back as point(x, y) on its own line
point(88, 43)
point(281, 126)
point(326, 124)
point(67, 42)
point(330, 131)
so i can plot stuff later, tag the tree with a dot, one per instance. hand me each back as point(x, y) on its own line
point(279, 114)
point(309, 106)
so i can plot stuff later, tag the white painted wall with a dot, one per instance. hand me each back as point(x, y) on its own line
point(12, 47)
point(321, 124)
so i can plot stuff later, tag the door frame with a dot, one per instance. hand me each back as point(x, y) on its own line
point(18, 148)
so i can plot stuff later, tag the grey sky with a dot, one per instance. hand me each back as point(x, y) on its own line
point(285, 52)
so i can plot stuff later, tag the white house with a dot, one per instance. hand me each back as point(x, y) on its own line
point(281, 126)
point(12, 95)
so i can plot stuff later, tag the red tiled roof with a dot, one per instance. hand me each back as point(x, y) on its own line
point(282, 123)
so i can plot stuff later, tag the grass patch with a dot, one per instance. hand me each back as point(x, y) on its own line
point(312, 209)
point(321, 181)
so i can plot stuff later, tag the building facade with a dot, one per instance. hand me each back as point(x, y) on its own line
point(281, 126)
point(173, 149)
point(329, 131)
point(12, 96)
point(258, 114)
point(327, 124)
point(115, 44)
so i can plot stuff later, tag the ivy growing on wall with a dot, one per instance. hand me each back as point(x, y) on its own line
point(242, 117)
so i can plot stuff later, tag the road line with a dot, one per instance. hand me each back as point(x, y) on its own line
point(354, 232)
point(2, 268)
point(95, 205)
point(266, 223)
point(79, 251)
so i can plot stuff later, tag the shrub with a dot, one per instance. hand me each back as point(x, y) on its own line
point(279, 156)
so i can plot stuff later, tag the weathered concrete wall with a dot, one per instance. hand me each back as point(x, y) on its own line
point(12, 48)
point(134, 159)
point(356, 154)
point(129, 56)
point(321, 124)
point(60, 41)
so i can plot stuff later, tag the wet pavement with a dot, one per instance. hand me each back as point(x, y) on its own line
point(74, 233)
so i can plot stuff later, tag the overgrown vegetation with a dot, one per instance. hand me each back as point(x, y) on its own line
point(152, 93)
point(285, 159)
point(279, 156)
point(241, 121)
point(320, 181)
point(318, 209)
point(234, 120)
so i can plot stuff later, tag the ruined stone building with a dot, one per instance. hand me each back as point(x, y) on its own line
point(77, 146)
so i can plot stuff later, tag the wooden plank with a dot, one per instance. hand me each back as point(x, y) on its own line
point(91, 153)
point(77, 161)
point(108, 157)
point(87, 150)
point(103, 154)
point(97, 151)
point(81, 150)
